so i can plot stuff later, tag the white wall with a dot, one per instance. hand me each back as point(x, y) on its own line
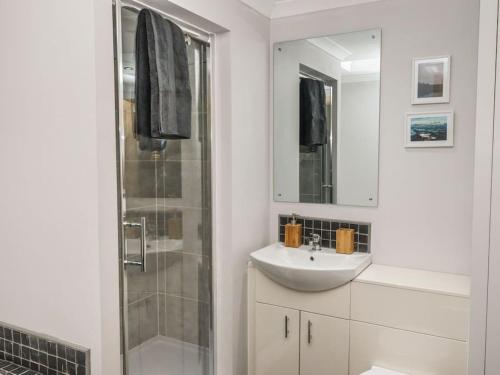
point(358, 132)
point(487, 181)
point(50, 277)
point(492, 365)
point(287, 109)
point(249, 154)
point(58, 194)
point(425, 196)
point(487, 65)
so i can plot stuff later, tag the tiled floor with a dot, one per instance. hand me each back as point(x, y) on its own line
point(9, 368)
point(164, 356)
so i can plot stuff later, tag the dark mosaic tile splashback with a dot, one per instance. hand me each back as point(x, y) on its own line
point(327, 230)
point(9, 368)
point(26, 353)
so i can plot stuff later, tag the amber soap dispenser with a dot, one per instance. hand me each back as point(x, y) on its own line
point(293, 233)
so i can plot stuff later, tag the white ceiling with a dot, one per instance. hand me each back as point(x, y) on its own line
point(286, 8)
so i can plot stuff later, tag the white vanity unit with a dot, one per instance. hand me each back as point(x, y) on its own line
point(411, 321)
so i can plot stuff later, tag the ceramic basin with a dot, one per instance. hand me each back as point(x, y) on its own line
point(306, 270)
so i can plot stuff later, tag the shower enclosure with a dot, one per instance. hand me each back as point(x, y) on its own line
point(166, 224)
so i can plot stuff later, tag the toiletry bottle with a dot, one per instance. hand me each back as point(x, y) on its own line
point(293, 233)
point(174, 226)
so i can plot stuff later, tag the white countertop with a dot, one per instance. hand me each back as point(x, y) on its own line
point(406, 278)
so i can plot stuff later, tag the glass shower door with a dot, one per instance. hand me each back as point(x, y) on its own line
point(166, 247)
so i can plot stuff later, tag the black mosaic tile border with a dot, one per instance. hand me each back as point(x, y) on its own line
point(9, 368)
point(326, 229)
point(40, 354)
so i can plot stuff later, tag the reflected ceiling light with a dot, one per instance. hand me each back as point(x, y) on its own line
point(346, 65)
point(361, 66)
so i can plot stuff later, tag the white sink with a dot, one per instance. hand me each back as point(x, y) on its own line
point(305, 270)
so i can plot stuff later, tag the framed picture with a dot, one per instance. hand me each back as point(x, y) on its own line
point(431, 80)
point(429, 129)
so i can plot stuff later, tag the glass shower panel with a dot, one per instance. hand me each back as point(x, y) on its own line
point(167, 307)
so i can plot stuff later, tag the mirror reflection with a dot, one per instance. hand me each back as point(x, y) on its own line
point(326, 119)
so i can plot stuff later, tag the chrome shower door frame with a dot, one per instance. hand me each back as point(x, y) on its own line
point(193, 32)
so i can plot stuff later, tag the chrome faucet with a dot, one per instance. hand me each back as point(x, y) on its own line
point(315, 242)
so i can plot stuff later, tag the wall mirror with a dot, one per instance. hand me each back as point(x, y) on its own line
point(326, 119)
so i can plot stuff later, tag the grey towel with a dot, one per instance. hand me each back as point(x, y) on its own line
point(312, 113)
point(163, 92)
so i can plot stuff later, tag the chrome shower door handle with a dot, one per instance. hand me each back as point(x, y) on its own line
point(143, 244)
point(142, 262)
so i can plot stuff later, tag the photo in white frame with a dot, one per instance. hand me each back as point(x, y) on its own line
point(429, 129)
point(431, 80)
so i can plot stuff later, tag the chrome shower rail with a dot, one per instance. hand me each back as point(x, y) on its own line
point(189, 29)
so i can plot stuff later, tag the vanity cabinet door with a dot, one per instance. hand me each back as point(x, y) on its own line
point(276, 340)
point(324, 346)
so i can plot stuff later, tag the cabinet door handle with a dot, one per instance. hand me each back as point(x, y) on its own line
point(286, 327)
point(309, 332)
